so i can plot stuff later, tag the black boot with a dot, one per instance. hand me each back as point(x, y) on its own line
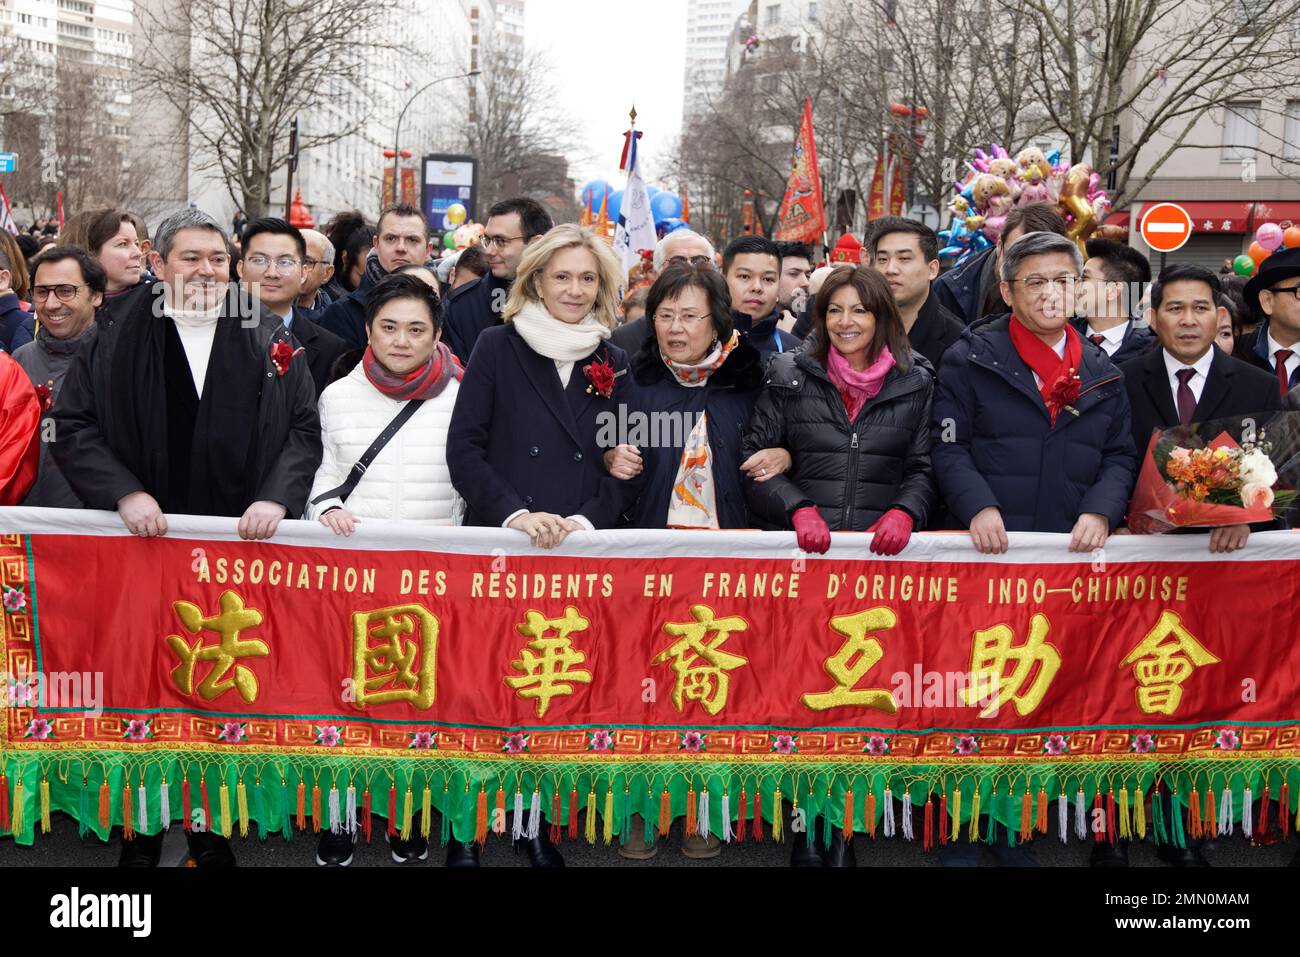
point(1177, 856)
point(840, 853)
point(143, 850)
point(541, 852)
point(210, 850)
point(462, 855)
point(413, 849)
point(336, 850)
point(803, 853)
point(1106, 854)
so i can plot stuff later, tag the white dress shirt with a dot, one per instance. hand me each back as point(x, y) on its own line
point(1112, 338)
point(1197, 382)
point(1292, 361)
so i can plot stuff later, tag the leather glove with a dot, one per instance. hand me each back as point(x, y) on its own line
point(810, 529)
point(891, 532)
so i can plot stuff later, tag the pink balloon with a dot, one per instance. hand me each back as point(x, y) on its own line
point(1269, 236)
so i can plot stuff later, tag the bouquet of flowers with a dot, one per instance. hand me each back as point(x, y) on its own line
point(1187, 482)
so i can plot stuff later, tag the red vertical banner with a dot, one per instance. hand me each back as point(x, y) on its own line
point(410, 191)
point(385, 196)
point(897, 189)
point(802, 217)
point(876, 197)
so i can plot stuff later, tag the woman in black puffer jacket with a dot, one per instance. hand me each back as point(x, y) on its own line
point(854, 415)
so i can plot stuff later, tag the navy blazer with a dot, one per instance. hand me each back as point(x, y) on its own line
point(994, 443)
point(521, 440)
point(471, 309)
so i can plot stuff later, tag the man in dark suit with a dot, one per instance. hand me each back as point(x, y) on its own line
point(1114, 278)
point(682, 246)
point(906, 253)
point(1272, 292)
point(272, 267)
point(512, 226)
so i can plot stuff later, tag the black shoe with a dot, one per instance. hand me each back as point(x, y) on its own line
point(461, 855)
point(336, 850)
point(803, 853)
point(839, 854)
point(411, 851)
point(210, 850)
point(1109, 855)
point(1181, 856)
point(541, 852)
point(143, 851)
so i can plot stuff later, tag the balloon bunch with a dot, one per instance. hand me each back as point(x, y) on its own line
point(996, 182)
point(464, 234)
point(665, 207)
point(1270, 238)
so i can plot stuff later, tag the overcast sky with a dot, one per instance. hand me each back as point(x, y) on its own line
point(607, 54)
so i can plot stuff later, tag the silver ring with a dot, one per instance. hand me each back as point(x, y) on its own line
point(762, 471)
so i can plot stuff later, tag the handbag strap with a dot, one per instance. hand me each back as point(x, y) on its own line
point(368, 456)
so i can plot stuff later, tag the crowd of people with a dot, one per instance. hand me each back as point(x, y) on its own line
point(350, 377)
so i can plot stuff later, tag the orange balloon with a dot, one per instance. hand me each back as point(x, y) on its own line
point(1257, 253)
point(1291, 237)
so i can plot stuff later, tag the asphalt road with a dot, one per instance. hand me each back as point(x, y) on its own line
point(62, 847)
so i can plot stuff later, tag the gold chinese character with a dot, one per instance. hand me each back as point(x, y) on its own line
point(404, 669)
point(547, 663)
point(233, 619)
point(858, 655)
point(707, 683)
point(1161, 667)
point(991, 651)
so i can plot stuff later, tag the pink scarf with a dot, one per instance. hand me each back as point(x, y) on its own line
point(856, 388)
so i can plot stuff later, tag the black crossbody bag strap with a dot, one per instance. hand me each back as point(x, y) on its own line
point(343, 491)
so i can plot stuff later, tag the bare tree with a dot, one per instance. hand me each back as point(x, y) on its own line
point(1152, 68)
point(515, 130)
point(241, 69)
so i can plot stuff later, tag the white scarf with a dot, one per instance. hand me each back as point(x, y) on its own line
point(562, 342)
point(196, 328)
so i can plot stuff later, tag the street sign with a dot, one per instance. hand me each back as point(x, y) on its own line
point(8, 162)
point(1166, 227)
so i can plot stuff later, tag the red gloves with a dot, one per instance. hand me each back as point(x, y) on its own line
point(891, 532)
point(810, 528)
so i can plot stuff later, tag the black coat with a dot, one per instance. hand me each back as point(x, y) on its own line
point(1232, 388)
point(321, 348)
point(1253, 349)
point(853, 472)
point(935, 329)
point(995, 445)
point(764, 335)
point(17, 327)
point(113, 433)
point(631, 336)
point(966, 290)
point(1138, 341)
point(471, 309)
point(521, 440)
point(727, 398)
point(346, 318)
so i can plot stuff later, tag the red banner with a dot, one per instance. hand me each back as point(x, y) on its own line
point(644, 652)
point(876, 196)
point(802, 217)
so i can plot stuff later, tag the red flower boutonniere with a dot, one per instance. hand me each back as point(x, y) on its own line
point(600, 375)
point(1063, 394)
point(282, 354)
point(45, 396)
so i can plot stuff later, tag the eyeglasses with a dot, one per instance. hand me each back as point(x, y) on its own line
point(500, 241)
point(1279, 290)
point(65, 292)
point(1038, 284)
point(693, 261)
point(689, 319)
point(312, 263)
point(261, 262)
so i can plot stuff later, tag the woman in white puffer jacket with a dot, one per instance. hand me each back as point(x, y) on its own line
point(408, 481)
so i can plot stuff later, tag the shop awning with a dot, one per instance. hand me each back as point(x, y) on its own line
point(1280, 212)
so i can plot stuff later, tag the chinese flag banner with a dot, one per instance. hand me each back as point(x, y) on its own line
point(802, 217)
point(643, 666)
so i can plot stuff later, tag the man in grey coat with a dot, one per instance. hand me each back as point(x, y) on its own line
point(67, 287)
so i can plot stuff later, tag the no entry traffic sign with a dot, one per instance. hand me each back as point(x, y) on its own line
point(1166, 227)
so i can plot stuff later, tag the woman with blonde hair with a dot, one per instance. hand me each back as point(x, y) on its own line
point(522, 448)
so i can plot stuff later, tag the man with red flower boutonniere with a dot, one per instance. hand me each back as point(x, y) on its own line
point(1031, 427)
point(68, 286)
point(179, 384)
point(523, 445)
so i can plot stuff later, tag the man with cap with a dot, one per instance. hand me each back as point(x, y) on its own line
point(1274, 293)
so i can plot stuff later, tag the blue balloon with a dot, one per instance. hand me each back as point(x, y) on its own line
point(665, 206)
point(614, 206)
point(653, 191)
point(593, 193)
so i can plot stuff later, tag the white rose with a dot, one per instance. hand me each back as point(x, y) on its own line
point(1257, 469)
point(1256, 496)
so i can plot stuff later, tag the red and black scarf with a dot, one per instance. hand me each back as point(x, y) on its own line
point(426, 382)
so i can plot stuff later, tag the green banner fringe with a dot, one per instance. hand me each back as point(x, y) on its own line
point(270, 783)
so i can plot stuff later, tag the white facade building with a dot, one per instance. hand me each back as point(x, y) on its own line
point(710, 26)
